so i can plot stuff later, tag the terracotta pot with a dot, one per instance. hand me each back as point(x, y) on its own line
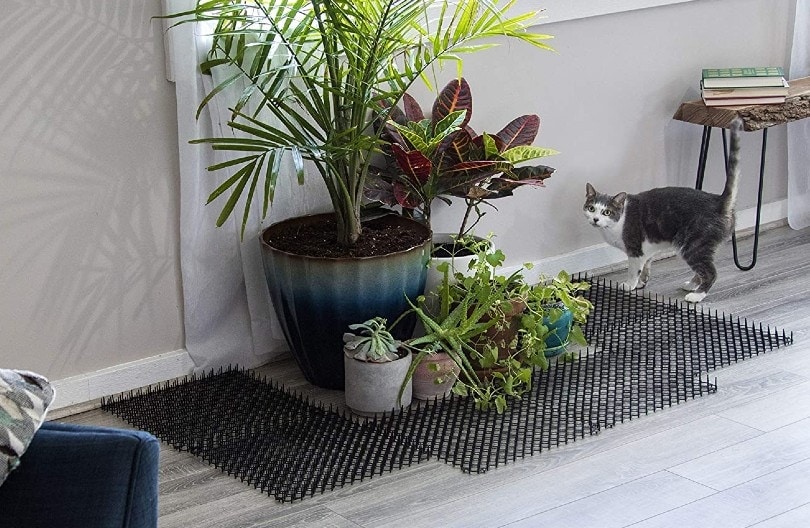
point(434, 376)
point(502, 337)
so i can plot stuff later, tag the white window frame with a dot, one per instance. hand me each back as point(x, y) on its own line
point(561, 10)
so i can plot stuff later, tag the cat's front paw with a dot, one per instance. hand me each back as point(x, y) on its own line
point(627, 286)
point(695, 297)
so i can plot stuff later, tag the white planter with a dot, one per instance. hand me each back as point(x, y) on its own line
point(372, 388)
point(458, 263)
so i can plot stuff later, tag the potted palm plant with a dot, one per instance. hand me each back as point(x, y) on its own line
point(315, 73)
point(376, 365)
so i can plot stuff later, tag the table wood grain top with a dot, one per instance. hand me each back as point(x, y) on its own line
point(755, 117)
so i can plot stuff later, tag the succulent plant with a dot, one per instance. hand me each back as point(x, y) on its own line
point(371, 341)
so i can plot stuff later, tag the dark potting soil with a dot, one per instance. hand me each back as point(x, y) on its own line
point(319, 239)
point(450, 250)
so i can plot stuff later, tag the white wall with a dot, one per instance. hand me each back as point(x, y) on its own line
point(88, 172)
point(88, 158)
point(606, 98)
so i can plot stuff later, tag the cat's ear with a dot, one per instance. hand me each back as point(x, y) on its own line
point(620, 198)
point(590, 192)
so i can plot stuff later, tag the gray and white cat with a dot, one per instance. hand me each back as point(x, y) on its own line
point(692, 222)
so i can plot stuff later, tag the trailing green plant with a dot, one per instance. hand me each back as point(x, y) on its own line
point(315, 73)
point(440, 156)
point(464, 320)
point(371, 341)
point(554, 294)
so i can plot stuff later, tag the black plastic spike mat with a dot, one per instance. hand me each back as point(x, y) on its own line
point(646, 354)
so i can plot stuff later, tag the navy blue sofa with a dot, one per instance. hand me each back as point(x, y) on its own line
point(75, 476)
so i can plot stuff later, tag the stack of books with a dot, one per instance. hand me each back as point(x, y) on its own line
point(743, 86)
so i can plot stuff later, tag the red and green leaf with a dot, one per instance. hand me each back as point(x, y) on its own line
point(479, 143)
point(519, 176)
point(454, 149)
point(413, 164)
point(458, 178)
point(456, 95)
point(413, 112)
point(520, 131)
point(406, 196)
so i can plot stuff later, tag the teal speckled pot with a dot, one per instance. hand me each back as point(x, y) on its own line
point(317, 298)
point(557, 340)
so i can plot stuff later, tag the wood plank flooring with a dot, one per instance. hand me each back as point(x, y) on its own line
point(736, 458)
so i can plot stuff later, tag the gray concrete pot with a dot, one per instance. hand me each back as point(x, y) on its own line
point(372, 388)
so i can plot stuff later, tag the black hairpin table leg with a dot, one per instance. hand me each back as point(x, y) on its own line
point(704, 151)
point(759, 209)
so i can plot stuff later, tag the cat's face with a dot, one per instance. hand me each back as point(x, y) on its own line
point(602, 210)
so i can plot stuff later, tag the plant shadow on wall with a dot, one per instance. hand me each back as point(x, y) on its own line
point(89, 226)
point(318, 75)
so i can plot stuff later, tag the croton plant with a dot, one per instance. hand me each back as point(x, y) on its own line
point(441, 156)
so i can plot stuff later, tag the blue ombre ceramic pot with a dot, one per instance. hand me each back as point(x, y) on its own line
point(557, 339)
point(317, 298)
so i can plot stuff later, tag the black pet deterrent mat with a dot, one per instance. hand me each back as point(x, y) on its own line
point(646, 354)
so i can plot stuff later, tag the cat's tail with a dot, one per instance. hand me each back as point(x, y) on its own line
point(732, 168)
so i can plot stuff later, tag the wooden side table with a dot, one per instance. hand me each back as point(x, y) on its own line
point(755, 117)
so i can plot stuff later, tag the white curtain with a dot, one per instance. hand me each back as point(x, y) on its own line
point(228, 315)
point(798, 132)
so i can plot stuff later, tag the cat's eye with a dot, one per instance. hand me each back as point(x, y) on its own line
point(607, 212)
point(591, 208)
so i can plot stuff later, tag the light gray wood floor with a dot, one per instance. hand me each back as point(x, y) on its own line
point(740, 457)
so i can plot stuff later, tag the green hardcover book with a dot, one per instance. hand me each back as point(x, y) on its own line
point(722, 73)
point(743, 77)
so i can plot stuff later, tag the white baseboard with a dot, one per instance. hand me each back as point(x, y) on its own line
point(771, 212)
point(84, 391)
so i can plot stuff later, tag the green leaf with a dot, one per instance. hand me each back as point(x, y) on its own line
point(414, 136)
point(298, 163)
point(490, 147)
point(577, 336)
point(526, 153)
point(228, 183)
point(495, 258)
point(447, 125)
point(249, 200)
point(217, 89)
point(207, 65)
point(245, 173)
point(460, 389)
